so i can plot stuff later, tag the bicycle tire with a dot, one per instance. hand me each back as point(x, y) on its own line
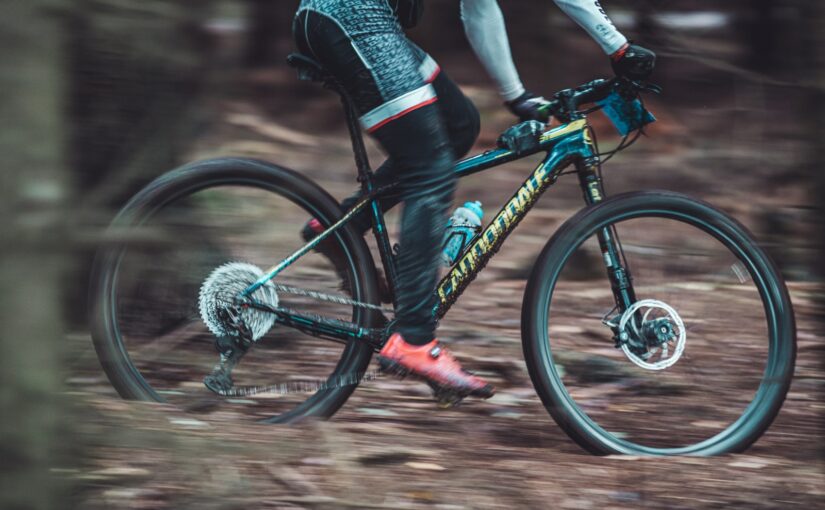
point(108, 342)
point(538, 352)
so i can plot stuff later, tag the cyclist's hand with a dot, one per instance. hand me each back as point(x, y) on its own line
point(528, 106)
point(634, 62)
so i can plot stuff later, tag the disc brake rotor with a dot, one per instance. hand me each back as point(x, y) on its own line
point(659, 321)
point(221, 289)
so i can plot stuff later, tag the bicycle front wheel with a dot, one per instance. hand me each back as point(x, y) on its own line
point(699, 365)
point(167, 241)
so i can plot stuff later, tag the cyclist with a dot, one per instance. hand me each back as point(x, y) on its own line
point(424, 123)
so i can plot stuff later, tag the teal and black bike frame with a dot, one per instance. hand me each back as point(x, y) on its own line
point(565, 145)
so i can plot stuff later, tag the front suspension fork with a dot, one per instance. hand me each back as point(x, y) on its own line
point(621, 282)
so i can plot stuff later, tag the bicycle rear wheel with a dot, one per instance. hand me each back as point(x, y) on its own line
point(701, 281)
point(164, 244)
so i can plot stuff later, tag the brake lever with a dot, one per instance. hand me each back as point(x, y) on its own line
point(550, 110)
point(655, 89)
point(646, 86)
point(564, 104)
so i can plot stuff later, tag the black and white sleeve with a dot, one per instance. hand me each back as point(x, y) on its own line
point(591, 16)
point(485, 29)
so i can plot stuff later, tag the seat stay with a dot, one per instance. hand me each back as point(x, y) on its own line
point(300, 252)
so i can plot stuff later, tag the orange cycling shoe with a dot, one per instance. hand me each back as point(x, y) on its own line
point(436, 365)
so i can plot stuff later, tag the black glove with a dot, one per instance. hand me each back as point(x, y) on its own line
point(528, 107)
point(633, 62)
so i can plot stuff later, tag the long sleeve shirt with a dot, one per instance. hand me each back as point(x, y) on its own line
point(487, 33)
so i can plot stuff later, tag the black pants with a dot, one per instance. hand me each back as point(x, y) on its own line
point(423, 122)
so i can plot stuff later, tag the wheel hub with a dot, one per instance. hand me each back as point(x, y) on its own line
point(652, 335)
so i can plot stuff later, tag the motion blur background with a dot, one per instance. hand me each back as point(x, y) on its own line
point(101, 96)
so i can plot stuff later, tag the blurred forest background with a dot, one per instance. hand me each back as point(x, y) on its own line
point(101, 96)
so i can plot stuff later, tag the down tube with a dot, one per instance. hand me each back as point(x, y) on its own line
point(488, 243)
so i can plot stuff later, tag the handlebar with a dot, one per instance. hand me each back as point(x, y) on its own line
point(565, 103)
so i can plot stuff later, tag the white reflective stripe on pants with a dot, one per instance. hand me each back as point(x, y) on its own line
point(398, 107)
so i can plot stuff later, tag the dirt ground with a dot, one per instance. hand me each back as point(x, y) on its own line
point(389, 446)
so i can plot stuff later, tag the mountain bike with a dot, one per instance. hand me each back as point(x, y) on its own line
point(652, 323)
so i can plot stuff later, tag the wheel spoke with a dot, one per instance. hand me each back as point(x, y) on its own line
point(150, 291)
point(695, 346)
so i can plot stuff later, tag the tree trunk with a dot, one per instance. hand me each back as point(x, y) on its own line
point(818, 132)
point(269, 33)
point(814, 110)
point(135, 71)
point(33, 195)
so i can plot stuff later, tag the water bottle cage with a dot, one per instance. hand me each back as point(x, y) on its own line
point(467, 232)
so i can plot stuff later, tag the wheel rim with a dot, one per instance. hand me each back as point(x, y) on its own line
point(737, 423)
point(299, 399)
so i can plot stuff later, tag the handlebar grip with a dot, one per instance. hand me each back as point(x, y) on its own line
point(595, 91)
point(566, 102)
point(548, 110)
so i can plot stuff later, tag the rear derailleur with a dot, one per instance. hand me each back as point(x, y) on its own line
point(231, 347)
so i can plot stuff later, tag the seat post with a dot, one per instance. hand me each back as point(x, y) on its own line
point(359, 150)
point(310, 70)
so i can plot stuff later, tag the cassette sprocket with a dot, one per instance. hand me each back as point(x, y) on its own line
point(221, 290)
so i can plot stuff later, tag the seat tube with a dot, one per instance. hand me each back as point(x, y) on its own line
point(365, 177)
point(362, 161)
point(621, 281)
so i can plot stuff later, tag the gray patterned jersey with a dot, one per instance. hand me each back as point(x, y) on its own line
point(379, 40)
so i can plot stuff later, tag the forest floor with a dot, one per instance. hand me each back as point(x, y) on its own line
point(389, 446)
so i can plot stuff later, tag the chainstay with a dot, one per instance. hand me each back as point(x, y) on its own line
point(316, 385)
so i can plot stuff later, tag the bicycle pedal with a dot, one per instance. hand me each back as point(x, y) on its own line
point(218, 382)
point(446, 398)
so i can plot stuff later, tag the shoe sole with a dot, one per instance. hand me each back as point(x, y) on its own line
point(442, 392)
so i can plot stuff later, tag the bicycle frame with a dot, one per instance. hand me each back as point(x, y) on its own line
point(564, 145)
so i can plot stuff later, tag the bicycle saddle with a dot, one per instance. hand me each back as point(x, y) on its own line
point(308, 68)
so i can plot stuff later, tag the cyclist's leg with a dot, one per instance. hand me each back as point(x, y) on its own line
point(417, 142)
point(369, 55)
point(462, 121)
point(459, 113)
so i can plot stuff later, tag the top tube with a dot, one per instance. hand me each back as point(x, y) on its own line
point(495, 157)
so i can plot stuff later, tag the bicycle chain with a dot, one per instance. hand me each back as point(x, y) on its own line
point(333, 298)
point(300, 386)
point(308, 386)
